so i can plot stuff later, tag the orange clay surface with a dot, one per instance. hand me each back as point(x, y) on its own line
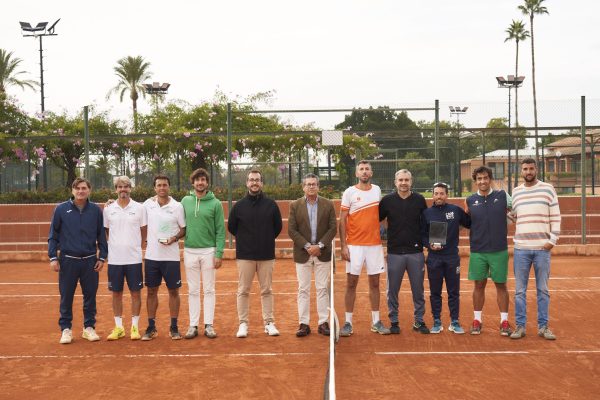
point(410, 365)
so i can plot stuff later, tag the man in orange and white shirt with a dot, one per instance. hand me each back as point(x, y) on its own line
point(361, 244)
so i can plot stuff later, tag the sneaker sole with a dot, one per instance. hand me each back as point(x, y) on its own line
point(117, 338)
point(436, 332)
point(475, 332)
point(346, 334)
point(380, 332)
point(138, 337)
point(271, 334)
point(241, 336)
point(210, 336)
point(65, 341)
point(90, 339)
point(148, 338)
point(173, 337)
point(455, 332)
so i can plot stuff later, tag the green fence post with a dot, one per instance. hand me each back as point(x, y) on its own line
point(436, 148)
point(583, 174)
point(229, 178)
point(86, 138)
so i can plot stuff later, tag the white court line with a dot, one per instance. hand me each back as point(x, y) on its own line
point(199, 355)
point(557, 278)
point(250, 355)
point(290, 293)
point(460, 353)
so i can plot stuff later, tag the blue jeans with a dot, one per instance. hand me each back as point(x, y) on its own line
point(523, 259)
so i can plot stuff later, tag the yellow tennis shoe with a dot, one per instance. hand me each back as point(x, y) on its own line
point(135, 333)
point(116, 334)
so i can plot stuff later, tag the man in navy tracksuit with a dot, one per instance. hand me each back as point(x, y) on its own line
point(77, 230)
point(443, 261)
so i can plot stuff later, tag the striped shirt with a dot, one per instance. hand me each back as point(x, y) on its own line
point(538, 216)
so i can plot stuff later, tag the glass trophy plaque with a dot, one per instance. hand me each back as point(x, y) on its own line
point(437, 233)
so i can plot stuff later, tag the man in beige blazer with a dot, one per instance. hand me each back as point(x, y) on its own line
point(312, 227)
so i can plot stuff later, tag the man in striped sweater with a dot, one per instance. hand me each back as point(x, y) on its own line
point(535, 207)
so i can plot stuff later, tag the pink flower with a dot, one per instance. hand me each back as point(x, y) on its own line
point(186, 134)
point(208, 130)
point(192, 154)
point(198, 147)
point(114, 145)
point(156, 157)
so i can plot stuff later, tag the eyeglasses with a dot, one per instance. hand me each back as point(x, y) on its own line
point(254, 180)
point(311, 184)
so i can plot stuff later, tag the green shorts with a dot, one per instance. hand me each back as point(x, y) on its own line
point(489, 265)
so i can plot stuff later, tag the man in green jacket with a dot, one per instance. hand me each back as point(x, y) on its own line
point(203, 249)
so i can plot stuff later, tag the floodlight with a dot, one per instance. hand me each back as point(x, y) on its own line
point(51, 29)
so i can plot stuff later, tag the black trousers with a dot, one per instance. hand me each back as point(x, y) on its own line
point(440, 268)
point(72, 271)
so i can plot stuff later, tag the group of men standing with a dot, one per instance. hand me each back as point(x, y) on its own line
point(79, 229)
point(409, 229)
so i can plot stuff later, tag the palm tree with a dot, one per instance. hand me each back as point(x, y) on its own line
point(132, 72)
point(517, 32)
point(531, 8)
point(9, 76)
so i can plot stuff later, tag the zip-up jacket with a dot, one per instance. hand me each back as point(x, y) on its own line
point(489, 231)
point(255, 221)
point(77, 233)
point(454, 217)
point(205, 225)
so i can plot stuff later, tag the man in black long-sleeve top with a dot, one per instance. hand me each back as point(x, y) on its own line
point(443, 261)
point(403, 210)
point(77, 230)
point(255, 221)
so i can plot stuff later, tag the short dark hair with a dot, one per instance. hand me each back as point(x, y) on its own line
point(441, 185)
point(254, 171)
point(200, 172)
point(79, 180)
point(161, 177)
point(529, 160)
point(482, 170)
point(363, 162)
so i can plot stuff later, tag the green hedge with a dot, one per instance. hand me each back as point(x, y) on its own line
point(141, 193)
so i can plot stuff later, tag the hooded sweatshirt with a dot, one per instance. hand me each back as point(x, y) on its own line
point(205, 224)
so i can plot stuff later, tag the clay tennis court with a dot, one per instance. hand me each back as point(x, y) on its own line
point(368, 365)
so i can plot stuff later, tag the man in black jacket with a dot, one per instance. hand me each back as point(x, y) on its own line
point(255, 221)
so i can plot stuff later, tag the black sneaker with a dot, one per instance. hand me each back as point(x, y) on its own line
point(420, 327)
point(150, 333)
point(174, 333)
point(395, 328)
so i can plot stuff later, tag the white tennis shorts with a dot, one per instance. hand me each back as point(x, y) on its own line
point(371, 256)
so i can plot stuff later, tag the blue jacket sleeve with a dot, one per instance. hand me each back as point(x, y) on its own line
point(53, 235)
point(424, 230)
point(101, 236)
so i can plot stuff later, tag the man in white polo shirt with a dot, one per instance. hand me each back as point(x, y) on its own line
point(125, 224)
point(166, 225)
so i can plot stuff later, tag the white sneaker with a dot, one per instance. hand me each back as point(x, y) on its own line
point(66, 337)
point(271, 330)
point(242, 330)
point(90, 334)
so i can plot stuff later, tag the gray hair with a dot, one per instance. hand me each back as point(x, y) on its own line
point(309, 176)
point(402, 171)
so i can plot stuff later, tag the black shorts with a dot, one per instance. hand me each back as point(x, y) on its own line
point(118, 273)
point(154, 271)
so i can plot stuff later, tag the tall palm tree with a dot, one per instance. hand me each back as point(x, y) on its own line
point(132, 72)
point(532, 8)
point(9, 76)
point(517, 32)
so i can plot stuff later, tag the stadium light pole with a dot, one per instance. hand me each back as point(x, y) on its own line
point(157, 90)
point(39, 31)
point(458, 111)
point(508, 83)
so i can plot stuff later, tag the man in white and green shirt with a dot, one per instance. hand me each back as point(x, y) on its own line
point(203, 250)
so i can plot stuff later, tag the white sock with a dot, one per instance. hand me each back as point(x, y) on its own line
point(349, 317)
point(119, 322)
point(503, 316)
point(135, 320)
point(375, 316)
point(477, 315)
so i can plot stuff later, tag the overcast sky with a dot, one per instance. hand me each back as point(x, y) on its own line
point(316, 54)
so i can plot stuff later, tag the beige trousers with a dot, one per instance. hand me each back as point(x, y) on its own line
point(246, 271)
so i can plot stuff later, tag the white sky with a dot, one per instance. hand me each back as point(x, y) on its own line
point(315, 54)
